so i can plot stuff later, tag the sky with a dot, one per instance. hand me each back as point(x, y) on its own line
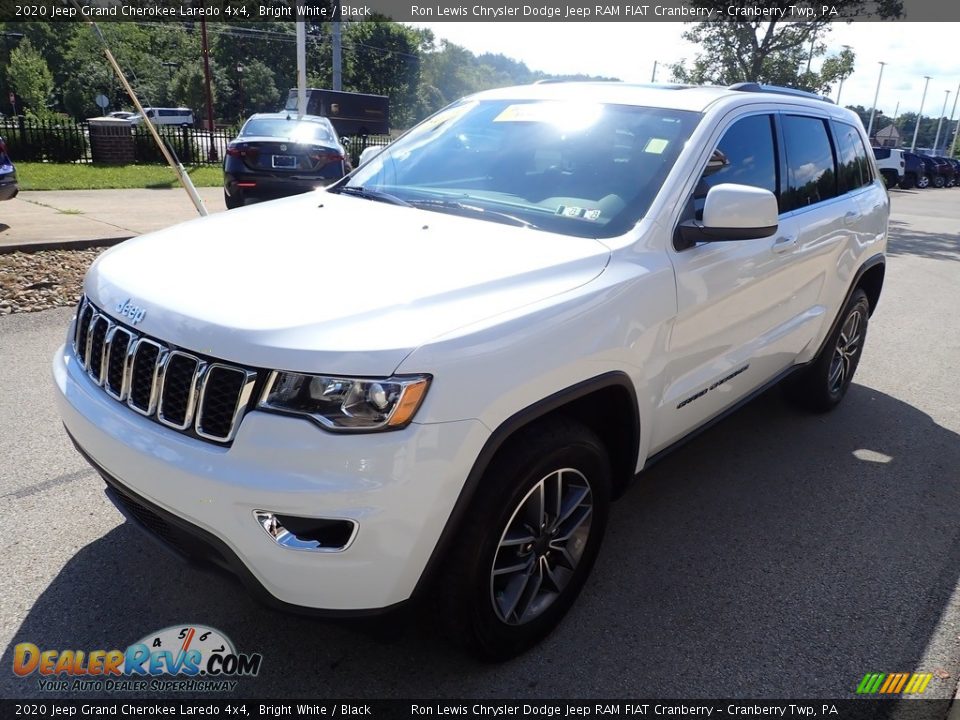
point(628, 51)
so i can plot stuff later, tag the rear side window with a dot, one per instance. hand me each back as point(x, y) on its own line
point(811, 174)
point(853, 166)
point(746, 155)
point(881, 153)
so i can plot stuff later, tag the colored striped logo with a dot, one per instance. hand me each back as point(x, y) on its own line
point(893, 683)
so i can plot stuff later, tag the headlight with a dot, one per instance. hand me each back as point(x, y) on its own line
point(345, 404)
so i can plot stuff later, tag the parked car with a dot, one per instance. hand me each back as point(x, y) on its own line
point(122, 115)
point(182, 117)
point(944, 172)
point(947, 170)
point(914, 172)
point(955, 164)
point(934, 172)
point(891, 164)
point(8, 174)
point(429, 381)
point(276, 155)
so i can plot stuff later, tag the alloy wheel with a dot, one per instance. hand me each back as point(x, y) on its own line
point(845, 352)
point(541, 546)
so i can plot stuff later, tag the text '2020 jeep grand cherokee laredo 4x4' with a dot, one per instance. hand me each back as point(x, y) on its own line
point(525, 299)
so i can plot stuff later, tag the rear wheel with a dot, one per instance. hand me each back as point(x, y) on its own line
point(530, 541)
point(938, 181)
point(909, 181)
point(890, 177)
point(923, 181)
point(821, 386)
point(233, 201)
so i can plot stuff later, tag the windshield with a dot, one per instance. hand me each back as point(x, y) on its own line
point(576, 168)
point(288, 129)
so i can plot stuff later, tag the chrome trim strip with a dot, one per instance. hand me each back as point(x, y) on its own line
point(157, 366)
point(81, 307)
point(199, 369)
point(285, 539)
point(103, 348)
point(94, 316)
point(108, 345)
point(243, 398)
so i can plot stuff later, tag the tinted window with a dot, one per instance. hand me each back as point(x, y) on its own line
point(811, 176)
point(746, 155)
point(881, 153)
point(853, 167)
point(572, 167)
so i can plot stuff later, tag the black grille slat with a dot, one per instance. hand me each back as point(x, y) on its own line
point(83, 328)
point(97, 336)
point(141, 376)
point(116, 361)
point(178, 383)
point(192, 394)
point(221, 394)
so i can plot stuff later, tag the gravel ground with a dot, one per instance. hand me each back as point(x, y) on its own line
point(42, 280)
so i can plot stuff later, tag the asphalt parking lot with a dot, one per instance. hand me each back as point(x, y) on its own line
point(778, 555)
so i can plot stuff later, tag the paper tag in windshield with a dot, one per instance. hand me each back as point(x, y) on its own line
point(578, 212)
point(655, 146)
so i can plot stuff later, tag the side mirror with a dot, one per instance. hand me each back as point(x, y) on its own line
point(369, 153)
point(732, 212)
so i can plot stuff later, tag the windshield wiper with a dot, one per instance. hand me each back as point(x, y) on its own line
point(373, 195)
point(456, 205)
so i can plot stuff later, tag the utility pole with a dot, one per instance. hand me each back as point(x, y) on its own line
point(212, 154)
point(916, 130)
point(337, 72)
point(301, 69)
point(936, 140)
point(875, 96)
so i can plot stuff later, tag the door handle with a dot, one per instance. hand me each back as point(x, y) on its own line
point(850, 218)
point(784, 243)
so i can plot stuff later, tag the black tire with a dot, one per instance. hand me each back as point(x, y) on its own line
point(233, 201)
point(890, 178)
point(819, 387)
point(909, 181)
point(938, 181)
point(923, 182)
point(472, 600)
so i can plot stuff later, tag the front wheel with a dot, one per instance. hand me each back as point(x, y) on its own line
point(938, 181)
point(923, 182)
point(821, 386)
point(529, 541)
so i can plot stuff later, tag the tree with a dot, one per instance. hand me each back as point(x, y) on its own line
point(259, 88)
point(771, 51)
point(29, 77)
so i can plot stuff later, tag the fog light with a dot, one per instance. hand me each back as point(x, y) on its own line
point(303, 533)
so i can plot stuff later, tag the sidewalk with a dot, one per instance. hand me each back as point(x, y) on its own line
point(36, 220)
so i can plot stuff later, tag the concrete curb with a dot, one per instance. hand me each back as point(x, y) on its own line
point(30, 247)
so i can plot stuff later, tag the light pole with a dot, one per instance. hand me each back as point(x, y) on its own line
point(840, 89)
point(240, 88)
point(653, 78)
point(936, 140)
point(875, 96)
point(913, 145)
point(953, 144)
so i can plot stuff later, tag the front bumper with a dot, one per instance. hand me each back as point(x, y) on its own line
point(399, 487)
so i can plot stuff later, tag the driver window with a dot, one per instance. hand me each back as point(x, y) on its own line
point(746, 155)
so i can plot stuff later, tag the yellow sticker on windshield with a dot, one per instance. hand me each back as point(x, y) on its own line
point(656, 145)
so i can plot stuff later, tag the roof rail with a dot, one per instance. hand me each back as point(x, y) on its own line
point(776, 89)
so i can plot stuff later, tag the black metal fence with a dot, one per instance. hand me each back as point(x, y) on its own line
point(69, 142)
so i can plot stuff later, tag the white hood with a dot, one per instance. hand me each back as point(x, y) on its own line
point(327, 283)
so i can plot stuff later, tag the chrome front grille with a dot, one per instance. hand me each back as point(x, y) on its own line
point(183, 391)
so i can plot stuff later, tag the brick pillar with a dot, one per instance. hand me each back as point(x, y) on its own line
point(111, 141)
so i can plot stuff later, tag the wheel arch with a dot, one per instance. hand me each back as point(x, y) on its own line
point(871, 280)
point(607, 404)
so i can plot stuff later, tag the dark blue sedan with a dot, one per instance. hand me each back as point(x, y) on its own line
point(276, 155)
point(8, 174)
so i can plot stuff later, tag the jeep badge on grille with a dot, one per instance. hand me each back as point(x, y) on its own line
point(136, 314)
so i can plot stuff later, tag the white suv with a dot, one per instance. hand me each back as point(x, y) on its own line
point(431, 379)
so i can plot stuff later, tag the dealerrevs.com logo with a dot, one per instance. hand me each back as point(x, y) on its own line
point(188, 658)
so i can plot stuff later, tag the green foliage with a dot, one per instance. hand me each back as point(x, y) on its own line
point(771, 51)
point(29, 76)
point(52, 176)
